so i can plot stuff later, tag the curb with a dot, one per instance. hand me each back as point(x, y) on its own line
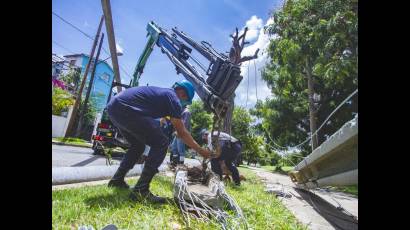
point(84, 184)
point(70, 175)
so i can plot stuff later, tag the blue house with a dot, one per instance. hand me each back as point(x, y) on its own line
point(103, 78)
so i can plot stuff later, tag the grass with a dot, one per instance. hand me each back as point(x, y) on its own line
point(73, 141)
point(285, 169)
point(353, 189)
point(269, 167)
point(99, 206)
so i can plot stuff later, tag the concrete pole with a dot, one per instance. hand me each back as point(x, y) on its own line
point(73, 118)
point(90, 85)
point(111, 40)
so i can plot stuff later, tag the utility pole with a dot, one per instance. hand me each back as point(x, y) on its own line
point(90, 86)
point(312, 109)
point(111, 40)
point(73, 117)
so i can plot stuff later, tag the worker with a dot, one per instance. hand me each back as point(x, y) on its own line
point(133, 112)
point(177, 146)
point(230, 149)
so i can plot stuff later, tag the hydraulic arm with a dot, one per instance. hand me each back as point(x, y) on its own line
point(214, 85)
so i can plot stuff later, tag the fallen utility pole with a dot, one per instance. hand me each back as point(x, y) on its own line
point(90, 85)
point(111, 40)
point(71, 123)
point(333, 163)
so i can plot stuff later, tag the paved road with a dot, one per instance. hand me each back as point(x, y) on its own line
point(65, 156)
point(308, 211)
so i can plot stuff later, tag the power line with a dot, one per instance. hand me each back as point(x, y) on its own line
point(256, 85)
point(88, 36)
point(307, 139)
point(71, 52)
point(75, 27)
point(125, 72)
point(78, 29)
point(247, 88)
point(105, 51)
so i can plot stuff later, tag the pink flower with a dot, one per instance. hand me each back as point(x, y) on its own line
point(59, 83)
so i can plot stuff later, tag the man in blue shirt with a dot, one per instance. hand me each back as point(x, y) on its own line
point(178, 146)
point(133, 112)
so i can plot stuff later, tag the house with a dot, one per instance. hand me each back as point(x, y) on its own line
point(57, 64)
point(103, 78)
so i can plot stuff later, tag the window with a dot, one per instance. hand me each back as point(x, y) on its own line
point(105, 77)
point(72, 62)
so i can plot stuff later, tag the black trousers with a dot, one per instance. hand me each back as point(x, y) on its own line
point(229, 152)
point(139, 130)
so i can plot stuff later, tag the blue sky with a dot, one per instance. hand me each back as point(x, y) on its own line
point(209, 20)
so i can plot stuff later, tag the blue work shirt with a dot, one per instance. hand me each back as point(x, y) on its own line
point(151, 101)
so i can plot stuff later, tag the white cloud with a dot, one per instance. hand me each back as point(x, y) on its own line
point(254, 25)
point(262, 42)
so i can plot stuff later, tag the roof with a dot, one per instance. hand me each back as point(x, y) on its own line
point(57, 59)
point(85, 55)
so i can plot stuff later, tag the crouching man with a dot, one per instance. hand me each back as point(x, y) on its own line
point(230, 150)
point(133, 112)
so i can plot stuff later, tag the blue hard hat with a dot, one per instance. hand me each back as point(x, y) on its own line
point(189, 88)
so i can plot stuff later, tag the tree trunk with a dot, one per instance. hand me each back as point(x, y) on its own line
point(229, 114)
point(312, 110)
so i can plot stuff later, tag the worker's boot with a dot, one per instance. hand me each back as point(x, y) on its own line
point(181, 160)
point(117, 181)
point(141, 189)
point(174, 161)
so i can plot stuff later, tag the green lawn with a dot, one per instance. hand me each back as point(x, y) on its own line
point(99, 206)
point(287, 168)
point(347, 189)
point(269, 167)
point(272, 168)
point(73, 141)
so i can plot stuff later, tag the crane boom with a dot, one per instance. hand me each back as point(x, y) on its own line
point(214, 86)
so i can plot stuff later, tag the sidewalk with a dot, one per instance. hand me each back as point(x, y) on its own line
point(310, 209)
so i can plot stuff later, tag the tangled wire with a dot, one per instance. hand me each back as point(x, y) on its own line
point(203, 197)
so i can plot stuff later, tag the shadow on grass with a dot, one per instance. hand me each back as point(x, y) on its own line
point(121, 197)
point(235, 187)
point(113, 200)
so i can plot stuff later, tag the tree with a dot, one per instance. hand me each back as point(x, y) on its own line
point(235, 56)
point(89, 116)
point(200, 119)
point(316, 38)
point(253, 145)
point(72, 79)
point(241, 124)
point(253, 149)
point(61, 100)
